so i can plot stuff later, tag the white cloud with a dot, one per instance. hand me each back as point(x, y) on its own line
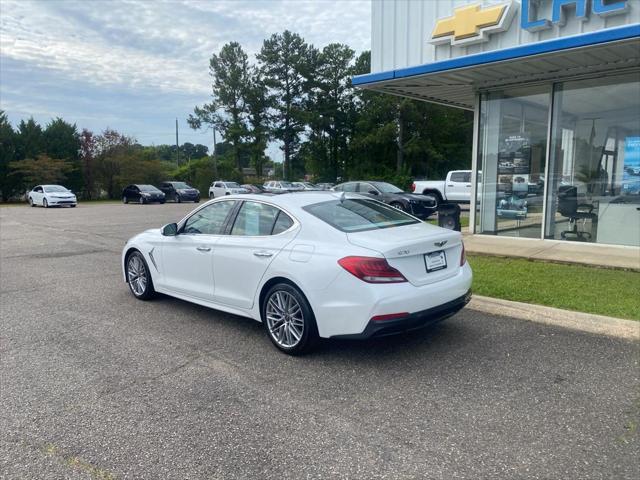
point(165, 45)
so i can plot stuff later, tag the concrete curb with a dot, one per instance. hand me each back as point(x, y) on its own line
point(585, 322)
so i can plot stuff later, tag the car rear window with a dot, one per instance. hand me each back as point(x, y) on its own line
point(357, 215)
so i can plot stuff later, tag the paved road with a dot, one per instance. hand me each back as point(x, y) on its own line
point(97, 385)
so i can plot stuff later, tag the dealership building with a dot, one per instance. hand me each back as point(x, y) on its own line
point(555, 90)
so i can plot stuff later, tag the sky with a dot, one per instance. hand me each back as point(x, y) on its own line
point(137, 65)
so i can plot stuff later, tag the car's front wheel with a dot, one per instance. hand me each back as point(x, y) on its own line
point(399, 206)
point(125, 200)
point(45, 204)
point(289, 320)
point(178, 199)
point(141, 201)
point(139, 277)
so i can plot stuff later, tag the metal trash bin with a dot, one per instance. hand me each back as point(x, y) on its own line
point(449, 216)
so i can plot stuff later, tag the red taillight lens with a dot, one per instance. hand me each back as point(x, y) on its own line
point(413, 187)
point(371, 269)
point(463, 256)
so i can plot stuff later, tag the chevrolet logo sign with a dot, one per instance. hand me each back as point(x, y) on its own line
point(472, 23)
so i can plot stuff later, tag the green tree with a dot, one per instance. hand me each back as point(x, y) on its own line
point(41, 170)
point(61, 140)
point(229, 70)
point(284, 60)
point(258, 103)
point(329, 110)
point(9, 184)
point(30, 140)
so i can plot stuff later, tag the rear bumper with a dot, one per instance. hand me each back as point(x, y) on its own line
point(413, 321)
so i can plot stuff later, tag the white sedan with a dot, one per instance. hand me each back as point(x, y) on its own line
point(51, 196)
point(310, 265)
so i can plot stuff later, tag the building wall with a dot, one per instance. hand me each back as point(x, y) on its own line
point(401, 29)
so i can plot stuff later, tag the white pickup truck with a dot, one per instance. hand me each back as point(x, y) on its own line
point(456, 188)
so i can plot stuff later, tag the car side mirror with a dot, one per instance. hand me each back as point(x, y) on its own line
point(170, 230)
point(373, 192)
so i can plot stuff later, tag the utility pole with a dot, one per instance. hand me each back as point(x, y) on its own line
point(215, 155)
point(177, 145)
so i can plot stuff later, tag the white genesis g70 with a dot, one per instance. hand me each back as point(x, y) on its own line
point(306, 265)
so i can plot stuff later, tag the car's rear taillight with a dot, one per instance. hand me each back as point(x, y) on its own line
point(413, 187)
point(371, 269)
point(463, 256)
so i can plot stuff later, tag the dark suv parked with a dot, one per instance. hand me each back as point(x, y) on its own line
point(180, 192)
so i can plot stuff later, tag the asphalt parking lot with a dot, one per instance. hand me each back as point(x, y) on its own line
point(95, 384)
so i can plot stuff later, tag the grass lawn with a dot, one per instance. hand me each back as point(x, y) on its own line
point(615, 293)
point(464, 221)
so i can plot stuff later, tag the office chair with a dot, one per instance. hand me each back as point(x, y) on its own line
point(569, 207)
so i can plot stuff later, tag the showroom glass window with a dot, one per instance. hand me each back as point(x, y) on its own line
point(511, 161)
point(594, 169)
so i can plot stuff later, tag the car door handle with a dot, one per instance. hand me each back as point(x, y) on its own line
point(203, 249)
point(263, 254)
point(450, 185)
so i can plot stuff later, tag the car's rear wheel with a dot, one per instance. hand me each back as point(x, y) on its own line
point(31, 202)
point(289, 320)
point(139, 277)
point(211, 195)
point(45, 204)
point(125, 199)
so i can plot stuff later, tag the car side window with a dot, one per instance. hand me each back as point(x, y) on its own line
point(283, 223)
point(366, 188)
point(209, 220)
point(458, 177)
point(218, 185)
point(350, 187)
point(255, 219)
point(38, 189)
point(466, 178)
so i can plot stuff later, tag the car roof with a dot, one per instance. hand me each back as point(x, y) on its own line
point(295, 199)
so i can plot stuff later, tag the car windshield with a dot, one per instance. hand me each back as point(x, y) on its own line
point(232, 185)
point(181, 185)
point(148, 188)
point(55, 188)
point(385, 187)
point(286, 184)
point(357, 215)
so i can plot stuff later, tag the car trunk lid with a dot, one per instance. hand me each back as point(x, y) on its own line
point(412, 248)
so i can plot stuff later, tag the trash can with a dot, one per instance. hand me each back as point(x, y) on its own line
point(449, 216)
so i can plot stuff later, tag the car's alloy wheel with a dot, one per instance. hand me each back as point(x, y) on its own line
point(288, 319)
point(138, 277)
point(211, 195)
point(45, 204)
point(31, 202)
point(141, 201)
point(179, 199)
point(125, 199)
point(399, 206)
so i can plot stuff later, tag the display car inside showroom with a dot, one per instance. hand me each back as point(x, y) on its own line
point(555, 90)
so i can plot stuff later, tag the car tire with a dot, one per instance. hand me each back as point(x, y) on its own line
point(72, 206)
point(45, 204)
point(139, 276)
point(212, 195)
point(285, 301)
point(31, 202)
point(436, 195)
point(399, 206)
point(125, 200)
point(162, 202)
point(178, 199)
point(197, 200)
point(141, 201)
